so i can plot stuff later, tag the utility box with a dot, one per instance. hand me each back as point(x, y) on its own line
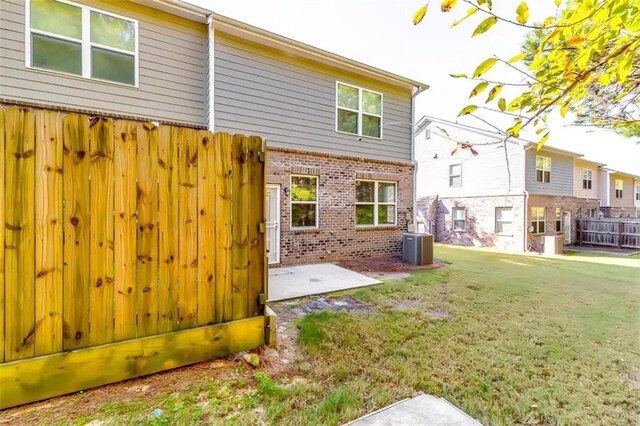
point(417, 249)
point(553, 244)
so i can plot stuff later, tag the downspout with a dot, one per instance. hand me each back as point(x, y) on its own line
point(211, 69)
point(414, 93)
point(526, 198)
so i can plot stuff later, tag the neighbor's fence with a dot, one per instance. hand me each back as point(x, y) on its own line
point(615, 233)
point(122, 234)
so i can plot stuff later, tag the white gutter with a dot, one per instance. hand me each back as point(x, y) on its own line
point(211, 50)
point(414, 93)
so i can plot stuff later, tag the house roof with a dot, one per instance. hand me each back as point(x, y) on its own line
point(264, 37)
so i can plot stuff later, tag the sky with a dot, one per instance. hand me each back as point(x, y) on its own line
point(380, 33)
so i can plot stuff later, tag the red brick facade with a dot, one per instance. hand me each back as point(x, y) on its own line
point(337, 237)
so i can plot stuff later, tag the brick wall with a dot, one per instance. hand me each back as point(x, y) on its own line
point(620, 212)
point(337, 237)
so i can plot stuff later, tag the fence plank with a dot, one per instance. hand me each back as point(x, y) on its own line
point(188, 223)
point(168, 217)
point(240, 228)
point(147, 298)
point(257, 253)
point(206, 227)
point(76, 231)
point(3, 130)
point(101, 245)
point(124, 250)
point(223, 276)
point(19, 234)
point(49, 221)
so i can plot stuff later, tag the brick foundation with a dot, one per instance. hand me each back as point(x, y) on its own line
point(337, 237)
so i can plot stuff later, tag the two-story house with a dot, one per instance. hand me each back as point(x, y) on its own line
point(339, 133)
point(619, 194)
point(475, 190)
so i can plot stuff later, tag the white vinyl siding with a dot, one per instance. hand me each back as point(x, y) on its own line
point(459, 215)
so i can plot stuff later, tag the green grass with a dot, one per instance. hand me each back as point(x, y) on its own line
point(579, 253)
point(526, 340)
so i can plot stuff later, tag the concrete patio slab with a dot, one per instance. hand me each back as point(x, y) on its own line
point(300, 281)
point(424, 410)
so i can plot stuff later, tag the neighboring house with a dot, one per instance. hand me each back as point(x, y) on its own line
point(619, 194)
point(339, 133)
point(496, 196)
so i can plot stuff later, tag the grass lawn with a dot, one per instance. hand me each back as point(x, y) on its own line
point(580, 253)
point(509, 339)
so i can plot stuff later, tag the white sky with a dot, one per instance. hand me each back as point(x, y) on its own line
point(380, 33)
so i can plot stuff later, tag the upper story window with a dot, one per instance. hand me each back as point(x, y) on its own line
point(304, 201)
point(619, 185)
point(359, 111)
point(76, 39)
point(637, 192)
point(543, 169)
point(587, 178)
point(375, 203)
point(455, 175)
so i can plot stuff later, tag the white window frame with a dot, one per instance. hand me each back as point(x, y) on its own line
point(85, 43)
point(451, 175)
point(637, 192)
point(558, 219)
point(536, 220)
point(376, 203)
point(615, 188)
point(503, 221)
point(316, 202)
point(543, 169)
point(360, 112)
point(592, 213)
point(453, 219)
point(587, 179)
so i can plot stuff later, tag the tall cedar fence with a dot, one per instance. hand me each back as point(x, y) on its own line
point(116, 230)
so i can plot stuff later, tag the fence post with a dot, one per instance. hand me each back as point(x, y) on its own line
point(579, 231)
point(620, 227)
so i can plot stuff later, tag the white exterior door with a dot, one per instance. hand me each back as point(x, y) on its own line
point(273, 223)
point(566, 228)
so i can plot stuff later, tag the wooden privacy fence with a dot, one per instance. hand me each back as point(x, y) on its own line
point(609, 233)
point(127, 248)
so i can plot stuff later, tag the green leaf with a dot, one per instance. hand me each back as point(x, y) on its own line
point(522, 13)
point(485, 26)
point(484, 67)
point(479, 88)
point(518, 57)
point(419, 15)
point(467, 110)
point(470, 12)
point(515, 130)
point(493, 93)
point(502, 104)
point(458, 75)
point(542, 141)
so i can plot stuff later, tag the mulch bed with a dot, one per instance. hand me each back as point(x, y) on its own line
point(385, 264)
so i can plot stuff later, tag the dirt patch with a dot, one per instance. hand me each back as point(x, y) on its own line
point(418, 305)
point(385, 265)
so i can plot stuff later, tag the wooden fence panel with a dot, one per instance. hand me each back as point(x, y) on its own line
point(49, 236)
point(188, 220)
point(224, 292)
point(2, 228)
point(19, 234)
point(147, 298)
point(206, 228)
point(257, 215)
point(614, 233)
point(124, 250)
point(101, 246)
point(168, 217)
point(240, 226)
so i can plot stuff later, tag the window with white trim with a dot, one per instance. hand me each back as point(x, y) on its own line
point(637, 192)
point(358, 111)
point(587, 178)
point(459, 215)
point(455, 174)
point(375, 203)
point(504, 220)
point(304, 201)
point(619, 186)
point(592, 213)
point(75, 39)
point(538, 219)
point(543, 169)
point(558, 219)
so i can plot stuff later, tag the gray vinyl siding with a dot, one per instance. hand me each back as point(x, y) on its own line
point(292, 103)
point(172, 68)
point(561, 182)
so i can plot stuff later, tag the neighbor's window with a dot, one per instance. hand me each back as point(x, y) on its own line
point(587, 178)
point(459, 215)
point(592, 213)
point(375, 203)
point(619, 184)
point(558, 219)
point(455, 175)
point(637, 192)
point(537, 219)
point(77, 39)
point(359, 111)
point(543, 169)
point(504, 220)
point(304, 201)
